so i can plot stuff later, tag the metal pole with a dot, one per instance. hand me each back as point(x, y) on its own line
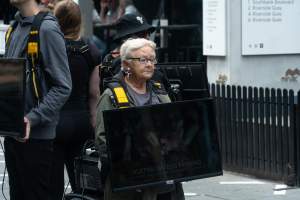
point(87, 7)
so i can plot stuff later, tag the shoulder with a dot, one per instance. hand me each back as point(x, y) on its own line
point(50, 25)
point(105, 101)
point(108, 92)
point(105, 96)
point(164, 98)
point(158, 87)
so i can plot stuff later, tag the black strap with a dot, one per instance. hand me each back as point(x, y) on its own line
point(81, 47)
point(86, 52)
point(36, 25)
point(153, 85)
point(38, 19)
point(35, 60)
point(88, 55)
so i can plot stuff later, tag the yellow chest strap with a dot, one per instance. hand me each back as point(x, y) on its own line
point(121, 97)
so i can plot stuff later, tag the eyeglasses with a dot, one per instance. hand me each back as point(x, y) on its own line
point(144, 61)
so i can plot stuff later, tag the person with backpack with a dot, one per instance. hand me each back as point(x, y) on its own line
point(77, 117)
point(36, 36)
point(133, 86)
point(128, 26)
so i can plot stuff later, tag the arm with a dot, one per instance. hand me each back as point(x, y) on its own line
point(94, 94)
point(55, 65)
point(104, 104)
point(103, 11)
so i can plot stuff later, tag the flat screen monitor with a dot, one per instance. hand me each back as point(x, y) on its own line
point(190, 78)
point(12, 97)
point(162, 143)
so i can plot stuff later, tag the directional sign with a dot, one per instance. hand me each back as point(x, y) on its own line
point(270, 27)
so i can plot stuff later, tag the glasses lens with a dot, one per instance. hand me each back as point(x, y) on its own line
point(146, 60)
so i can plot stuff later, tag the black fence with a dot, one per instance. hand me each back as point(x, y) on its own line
point(259, 131)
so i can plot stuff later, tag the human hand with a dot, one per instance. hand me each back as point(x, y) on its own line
point(27, 128)
point(99, 165)
point(27, 131)
point(104, 4)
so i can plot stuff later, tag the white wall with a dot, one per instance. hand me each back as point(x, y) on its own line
point(3, 29)
point(261, 71)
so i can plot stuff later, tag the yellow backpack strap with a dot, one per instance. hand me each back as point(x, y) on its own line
point(33, 54)
point(158, 87)
point(8, 33)
point(119, 94)
point(33, 39)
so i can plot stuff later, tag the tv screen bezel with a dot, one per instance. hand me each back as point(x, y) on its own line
point(106, 121)
point(20, 62)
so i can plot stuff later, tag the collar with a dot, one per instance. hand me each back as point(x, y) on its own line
point(24, 21)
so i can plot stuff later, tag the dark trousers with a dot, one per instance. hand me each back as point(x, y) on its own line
point(29, 165)
point(72, 132)
point(65, 154)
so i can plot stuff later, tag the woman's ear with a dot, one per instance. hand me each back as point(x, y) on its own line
point(125, 64)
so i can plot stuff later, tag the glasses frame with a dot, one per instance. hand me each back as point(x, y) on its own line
point(144, 61)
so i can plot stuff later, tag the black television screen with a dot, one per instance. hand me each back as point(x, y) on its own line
point(162, 143)
point(190, 79)
point(11, 97)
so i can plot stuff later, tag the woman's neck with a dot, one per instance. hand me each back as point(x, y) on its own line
point(137, 86)
point(74, 37)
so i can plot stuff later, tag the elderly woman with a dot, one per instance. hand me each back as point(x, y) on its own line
point(138, 61)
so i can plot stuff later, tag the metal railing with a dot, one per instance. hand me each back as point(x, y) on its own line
point(259, 130)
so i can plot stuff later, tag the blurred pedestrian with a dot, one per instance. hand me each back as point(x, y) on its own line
point(127, 7)
point(108, 12)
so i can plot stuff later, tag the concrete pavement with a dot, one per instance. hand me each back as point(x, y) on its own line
point(230, 186)
point(233, 186)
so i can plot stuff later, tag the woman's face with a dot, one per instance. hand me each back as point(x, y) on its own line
point(142, 63)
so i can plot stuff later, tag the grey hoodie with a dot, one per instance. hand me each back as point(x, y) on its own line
point(55, 69)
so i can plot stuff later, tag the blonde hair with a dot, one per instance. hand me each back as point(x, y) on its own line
point(131, 45)
point(68, 15)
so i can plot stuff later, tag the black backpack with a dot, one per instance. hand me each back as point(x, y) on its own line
point(79, 56)
point(82, 48)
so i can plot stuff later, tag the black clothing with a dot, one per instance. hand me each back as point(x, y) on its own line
point(29, 163)
point(24, 161)
point(74, 127)
point(53, 73)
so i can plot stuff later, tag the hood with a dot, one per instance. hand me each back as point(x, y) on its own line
point(25, 21)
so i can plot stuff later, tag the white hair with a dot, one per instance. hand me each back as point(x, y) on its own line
point(131, 45)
